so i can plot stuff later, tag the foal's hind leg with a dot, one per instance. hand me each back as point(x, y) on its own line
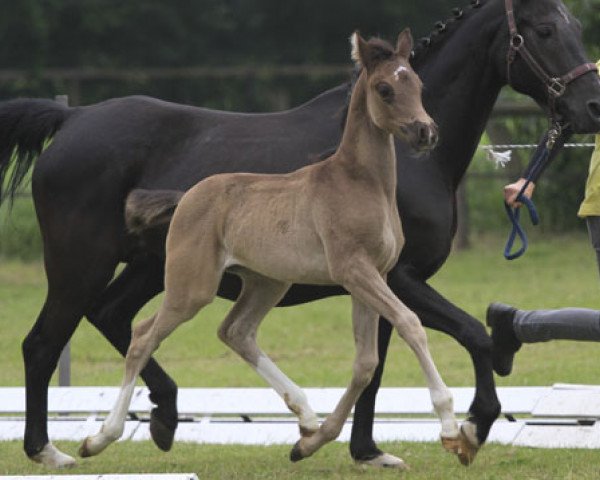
point(146, 338)
point(238, 330)
point(364, 321)
point(193, 271)
point(112, 315)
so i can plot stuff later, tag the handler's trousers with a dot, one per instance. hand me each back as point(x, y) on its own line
point(533, 326)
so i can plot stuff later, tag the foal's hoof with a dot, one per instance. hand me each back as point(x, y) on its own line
point(296, 454)
point(161, 433)
point(385, 460)
point(307, 432)
point(462, 447)
point(86, 449)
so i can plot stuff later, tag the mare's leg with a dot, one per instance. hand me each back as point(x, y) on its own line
point(112, 315)
point(75, 275)
point(364, 322)
point(362, 446)
point(194, 270)
point(238, 331)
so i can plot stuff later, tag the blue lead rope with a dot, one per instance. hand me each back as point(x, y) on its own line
point(540, 158)
point(517, 230)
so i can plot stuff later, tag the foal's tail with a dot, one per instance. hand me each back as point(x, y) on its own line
point(25, 125)
point(147, 209)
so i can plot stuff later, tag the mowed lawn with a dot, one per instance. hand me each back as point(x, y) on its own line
point(313, 344)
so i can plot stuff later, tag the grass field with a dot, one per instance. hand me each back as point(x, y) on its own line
point(556, 272)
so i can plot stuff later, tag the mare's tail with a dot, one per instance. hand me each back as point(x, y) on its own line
point(25, 125)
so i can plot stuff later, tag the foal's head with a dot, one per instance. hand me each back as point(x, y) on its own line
point(393, 89)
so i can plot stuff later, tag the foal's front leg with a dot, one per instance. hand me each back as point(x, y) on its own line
point(368, 285)
point(364, 321)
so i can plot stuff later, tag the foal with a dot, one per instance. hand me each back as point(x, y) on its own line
point(334, 222)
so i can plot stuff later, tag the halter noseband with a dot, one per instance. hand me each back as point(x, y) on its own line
point(556, 86)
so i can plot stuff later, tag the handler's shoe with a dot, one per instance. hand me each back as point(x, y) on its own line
point(499, 317)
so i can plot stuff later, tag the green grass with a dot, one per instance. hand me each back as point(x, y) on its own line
point(313, 344)
point(427, 462)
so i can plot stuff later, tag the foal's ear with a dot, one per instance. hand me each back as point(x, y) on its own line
point(369, 54)
point(359, 49)
point(404, 44)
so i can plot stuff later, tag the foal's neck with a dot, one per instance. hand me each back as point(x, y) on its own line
point(364, 144)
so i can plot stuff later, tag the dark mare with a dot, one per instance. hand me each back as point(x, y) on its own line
point(102, 152)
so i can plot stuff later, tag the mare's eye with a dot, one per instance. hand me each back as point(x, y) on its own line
point(544, 31)
point(385, 91)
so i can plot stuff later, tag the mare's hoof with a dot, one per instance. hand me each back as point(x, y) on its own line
point(52, 457)
point(462, 447)
point(385, 460)
point(161, 433)
point(296, 455)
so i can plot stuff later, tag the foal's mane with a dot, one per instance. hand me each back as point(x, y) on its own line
point(380, 49)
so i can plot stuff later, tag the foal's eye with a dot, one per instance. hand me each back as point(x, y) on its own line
point(544, 31)
point(385, 91)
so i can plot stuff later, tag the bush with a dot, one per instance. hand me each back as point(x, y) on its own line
point(19, 232)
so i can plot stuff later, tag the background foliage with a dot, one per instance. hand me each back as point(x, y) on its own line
point(41, 35)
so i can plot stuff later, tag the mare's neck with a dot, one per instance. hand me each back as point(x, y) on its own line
point(364, 145)
point(462, 84)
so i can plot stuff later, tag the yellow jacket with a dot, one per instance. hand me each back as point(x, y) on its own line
point(591, 203)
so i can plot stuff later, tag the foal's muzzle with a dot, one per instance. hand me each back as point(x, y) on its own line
point(425, 134)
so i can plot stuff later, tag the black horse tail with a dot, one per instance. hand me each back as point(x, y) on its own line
point(25, 125)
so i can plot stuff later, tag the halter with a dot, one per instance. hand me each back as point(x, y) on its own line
point(556, 86)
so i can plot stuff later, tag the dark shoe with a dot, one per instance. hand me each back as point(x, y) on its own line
point(499, 317)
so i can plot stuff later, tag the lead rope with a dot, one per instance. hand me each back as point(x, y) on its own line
point(540, 157)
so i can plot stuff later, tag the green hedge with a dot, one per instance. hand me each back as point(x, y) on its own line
point(19, 231)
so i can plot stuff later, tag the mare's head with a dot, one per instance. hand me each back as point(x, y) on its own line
point(552, 35)
point(393, 90)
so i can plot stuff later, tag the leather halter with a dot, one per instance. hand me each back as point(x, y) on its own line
point(556, 86)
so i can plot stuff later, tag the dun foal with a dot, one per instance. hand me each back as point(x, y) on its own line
point(334, 222)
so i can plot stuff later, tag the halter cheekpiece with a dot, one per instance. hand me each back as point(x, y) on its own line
point(556, 86)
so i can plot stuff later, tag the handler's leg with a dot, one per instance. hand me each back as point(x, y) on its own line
point(593, 226)
point(512, 327)
point(532, 326)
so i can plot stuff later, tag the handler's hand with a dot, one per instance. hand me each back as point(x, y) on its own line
point(512, 190)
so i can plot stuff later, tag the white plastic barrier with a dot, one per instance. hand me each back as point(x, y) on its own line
point(141, 476)
point(562, 415)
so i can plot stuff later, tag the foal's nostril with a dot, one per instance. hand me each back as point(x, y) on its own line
point(428, 135)
point(424, 134)
point(433, 139)
point(593, 107)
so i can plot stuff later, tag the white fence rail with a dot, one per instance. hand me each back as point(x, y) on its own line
point(137, 476)
point(557, 416)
